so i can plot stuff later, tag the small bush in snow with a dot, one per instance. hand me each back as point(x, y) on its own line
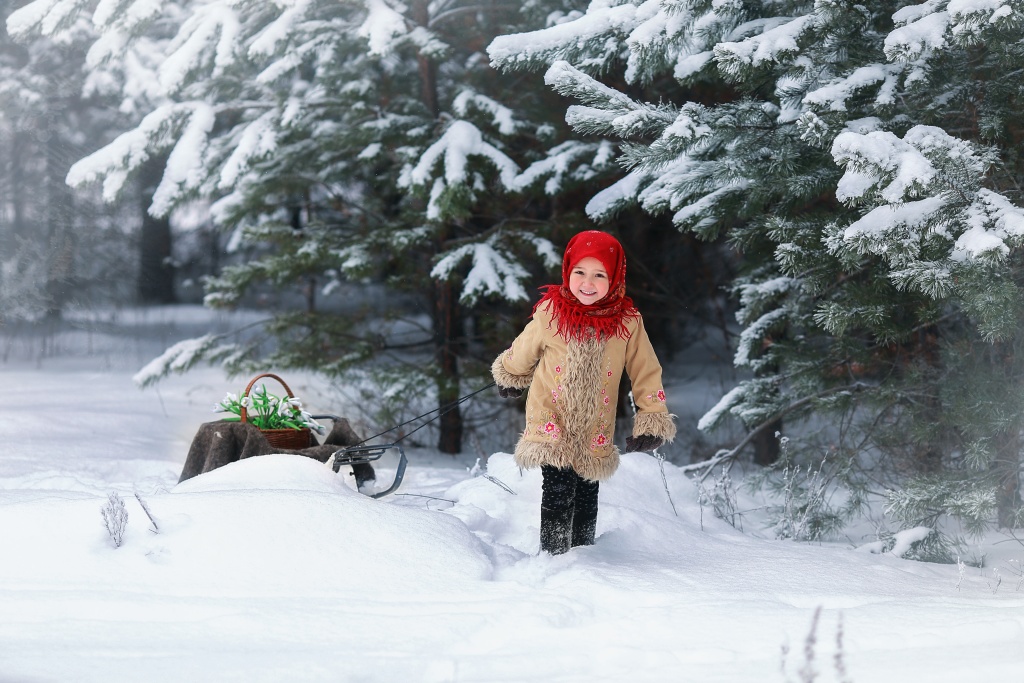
point(803, 509)
point(115, 518)
point(721, 496)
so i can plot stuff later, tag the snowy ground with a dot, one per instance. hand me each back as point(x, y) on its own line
point(275, 569)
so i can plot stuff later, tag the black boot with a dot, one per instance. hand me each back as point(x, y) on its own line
point(558, 494)
point(584, 518)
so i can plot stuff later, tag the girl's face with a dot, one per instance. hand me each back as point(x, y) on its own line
point(588, 281)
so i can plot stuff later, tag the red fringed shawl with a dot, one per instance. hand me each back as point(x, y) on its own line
point(607, 317)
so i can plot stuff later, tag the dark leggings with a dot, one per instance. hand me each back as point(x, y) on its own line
point(568, 510)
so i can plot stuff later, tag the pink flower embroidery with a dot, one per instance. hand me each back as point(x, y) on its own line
point(554, 396)
point(657, 396)
point(558, 368)
point(609, 373)
point(598, 441)
point(607, 400)
point(551, 430)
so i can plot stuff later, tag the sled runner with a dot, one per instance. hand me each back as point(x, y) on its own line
point(364, 455)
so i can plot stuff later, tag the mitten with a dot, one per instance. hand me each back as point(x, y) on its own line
point(509, 392)
point(643, 442)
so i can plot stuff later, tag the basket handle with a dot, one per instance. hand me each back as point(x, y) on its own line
point(243, 413)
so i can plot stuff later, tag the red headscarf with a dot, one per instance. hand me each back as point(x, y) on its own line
point(606, 317)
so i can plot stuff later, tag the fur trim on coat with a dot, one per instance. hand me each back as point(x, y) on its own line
point(655, 424)
point(504, 378)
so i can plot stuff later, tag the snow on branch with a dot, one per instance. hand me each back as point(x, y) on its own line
point(562, 41)
point(835, 95)
point(899, 169)
point(991, 220)
point(927, 187)
point(705, 211)
point(894, 231)
point(923, 31)
point(571, 161)
point(259, 138)
point(491, 272)
point(276, 32)
point(570, 81)
point(178, 358)
point(719, 410)
point(384, 27)
point(184, 171)
point(45, 17)
point(753, 296)
point(619, 195)
point(212, 30)
point(604, 110)
point(777, 38)
point(752, 337)
point(501, 116)
point(732, 401)
point(454, 150)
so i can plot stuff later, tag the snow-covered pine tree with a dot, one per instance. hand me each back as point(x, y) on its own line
point(867, 170)
point(938, 193)
point(341, 141)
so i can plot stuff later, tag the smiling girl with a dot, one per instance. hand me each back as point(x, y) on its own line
point(584, 333)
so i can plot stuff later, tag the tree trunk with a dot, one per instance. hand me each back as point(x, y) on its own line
point(420, 15)
point(60, 232)
point(17, 185)
point(156, 272)
point(1006, 467)
point(766, 445)
point(448, 333)
point(448, 337)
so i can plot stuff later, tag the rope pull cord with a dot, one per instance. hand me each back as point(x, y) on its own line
point(440, 411)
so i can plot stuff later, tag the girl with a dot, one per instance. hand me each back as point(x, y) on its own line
point(571, 355)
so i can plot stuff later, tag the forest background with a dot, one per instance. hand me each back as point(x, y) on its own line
point(827, 192)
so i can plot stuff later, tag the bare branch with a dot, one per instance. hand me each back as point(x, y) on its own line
point(728, 455)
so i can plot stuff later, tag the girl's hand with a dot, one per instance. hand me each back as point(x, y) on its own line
point(509, 392)
point(643, 442)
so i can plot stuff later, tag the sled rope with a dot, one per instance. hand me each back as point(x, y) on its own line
point(440, 411)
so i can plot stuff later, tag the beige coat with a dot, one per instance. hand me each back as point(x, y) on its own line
point(570, 408)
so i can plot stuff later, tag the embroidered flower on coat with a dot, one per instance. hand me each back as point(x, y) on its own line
point(607, 400)
point(558, 368)
point(598, 441)
point(551, 429)
point(657, 396)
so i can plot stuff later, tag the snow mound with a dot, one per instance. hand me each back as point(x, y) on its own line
point(268, 472)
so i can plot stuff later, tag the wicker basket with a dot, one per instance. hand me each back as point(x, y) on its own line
point(292, 439)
